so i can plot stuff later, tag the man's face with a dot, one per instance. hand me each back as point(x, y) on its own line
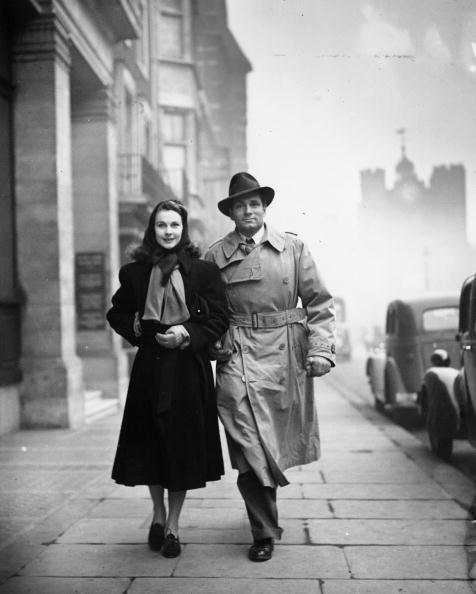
point(248, 214)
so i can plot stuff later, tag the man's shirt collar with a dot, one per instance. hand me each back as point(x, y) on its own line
point(232, 241)
point(257, 237)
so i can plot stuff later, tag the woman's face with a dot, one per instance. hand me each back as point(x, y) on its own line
point(168, 228)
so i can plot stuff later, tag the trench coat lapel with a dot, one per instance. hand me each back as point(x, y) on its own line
point(246, 267)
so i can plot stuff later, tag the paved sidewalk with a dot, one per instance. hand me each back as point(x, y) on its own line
point(377, 515)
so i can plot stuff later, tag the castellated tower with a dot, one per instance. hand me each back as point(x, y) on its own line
point(447, 199)
point(372, 183)
point(412, 236)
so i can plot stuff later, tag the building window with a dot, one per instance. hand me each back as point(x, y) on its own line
point(171, 38)
point(175, 134)
point(174, 125)
point(175, 162)
point(174, 5)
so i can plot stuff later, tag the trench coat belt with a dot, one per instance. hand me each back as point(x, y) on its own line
point(272, 319)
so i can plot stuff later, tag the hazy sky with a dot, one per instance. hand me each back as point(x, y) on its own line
point(333, 80)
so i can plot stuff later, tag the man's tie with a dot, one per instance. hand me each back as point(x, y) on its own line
point(248, 245)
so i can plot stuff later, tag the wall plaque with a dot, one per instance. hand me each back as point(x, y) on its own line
point(90, 291)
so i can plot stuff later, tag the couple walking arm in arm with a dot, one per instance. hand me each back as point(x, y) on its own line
point(265, 310)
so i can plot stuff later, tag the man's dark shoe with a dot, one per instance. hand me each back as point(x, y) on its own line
point(171, 546)
point(261, 550)
point(156, 536)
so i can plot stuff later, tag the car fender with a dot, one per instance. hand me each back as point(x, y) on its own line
point(393, 381)
point(375, 370)
point(443, 401)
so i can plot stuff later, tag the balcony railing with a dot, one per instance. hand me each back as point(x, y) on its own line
point(139, 181)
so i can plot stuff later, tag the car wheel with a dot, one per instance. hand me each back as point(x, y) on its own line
point(441, 446)
point(390, 386)
point(379, 406)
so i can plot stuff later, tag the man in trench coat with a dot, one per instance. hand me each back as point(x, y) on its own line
point(271, 352)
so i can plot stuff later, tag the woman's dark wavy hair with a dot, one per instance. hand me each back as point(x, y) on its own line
point(150, 251)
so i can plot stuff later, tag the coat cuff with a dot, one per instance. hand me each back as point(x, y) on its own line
point(322, 349)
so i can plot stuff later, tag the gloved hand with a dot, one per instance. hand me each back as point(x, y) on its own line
point(317, 366)
point(175, 337)
point(218, 352)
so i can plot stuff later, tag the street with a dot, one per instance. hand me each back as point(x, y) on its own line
point(377, 514)
point(350, 380)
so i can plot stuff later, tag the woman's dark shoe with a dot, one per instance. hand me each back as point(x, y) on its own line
point(261, 550)
point(172, 546)
point(156, 536)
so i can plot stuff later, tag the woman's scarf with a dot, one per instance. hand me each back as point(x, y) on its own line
point(166, 303)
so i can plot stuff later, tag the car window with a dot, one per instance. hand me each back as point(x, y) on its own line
point(391, 321)
point(441, 318)
point(464, 308)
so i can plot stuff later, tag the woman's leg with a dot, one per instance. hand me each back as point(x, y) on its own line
point(176, 499)
point(157, 494)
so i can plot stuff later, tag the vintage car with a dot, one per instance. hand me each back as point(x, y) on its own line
point(414, 328)
point(343, 348)
point(449, 393)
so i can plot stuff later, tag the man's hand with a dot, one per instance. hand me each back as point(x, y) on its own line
point(217, 352)
point(173, 338)
point(317, 366)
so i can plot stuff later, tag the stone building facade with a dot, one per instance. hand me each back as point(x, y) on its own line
point(106, 110)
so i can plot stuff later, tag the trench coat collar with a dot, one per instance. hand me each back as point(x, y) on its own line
point(231, 242)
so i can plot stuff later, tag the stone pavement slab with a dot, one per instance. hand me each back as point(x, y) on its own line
point(408, 474)
point(305, 508)
point(288, 562)
point(223, 586)
point(396, 587)
point(386, 532)
point(55, 585)
point(372, 491)
point(100, 561)
point(407, 562)
point(398, 509)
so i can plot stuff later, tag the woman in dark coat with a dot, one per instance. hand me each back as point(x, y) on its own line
point(172, 306)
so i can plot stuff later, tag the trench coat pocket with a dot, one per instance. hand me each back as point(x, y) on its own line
point(300, 343)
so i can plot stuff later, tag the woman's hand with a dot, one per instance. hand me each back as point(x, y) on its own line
point(175, 337)
point(317, 366)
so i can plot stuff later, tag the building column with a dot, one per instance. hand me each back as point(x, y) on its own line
point(51, 392)
point(97, 240)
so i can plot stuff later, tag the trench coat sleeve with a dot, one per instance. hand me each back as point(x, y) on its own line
point(212, 291)
point(124, 306)
point(319, 306)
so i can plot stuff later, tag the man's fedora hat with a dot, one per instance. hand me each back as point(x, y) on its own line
point(242, 185)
